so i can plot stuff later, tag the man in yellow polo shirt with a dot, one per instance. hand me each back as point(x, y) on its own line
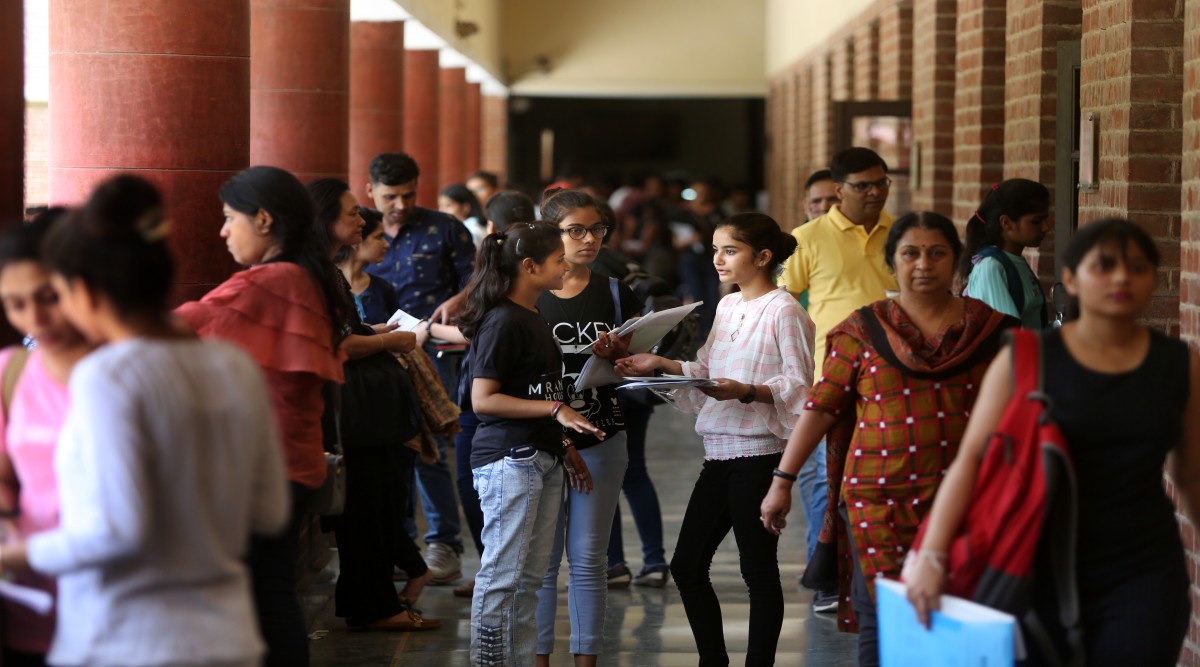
point(840, 259)
point(840, 262)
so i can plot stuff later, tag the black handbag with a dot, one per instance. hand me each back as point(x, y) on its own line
point(379, 403)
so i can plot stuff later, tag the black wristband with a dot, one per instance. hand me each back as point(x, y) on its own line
point(784, 475)
point(750, 395)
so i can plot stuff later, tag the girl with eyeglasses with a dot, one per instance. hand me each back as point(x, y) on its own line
point(518, 454)
point(759, 354)
point(580, 314)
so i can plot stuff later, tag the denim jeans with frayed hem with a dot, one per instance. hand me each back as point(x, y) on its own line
point(639, 493)
point(584, 526)
point(521, 500)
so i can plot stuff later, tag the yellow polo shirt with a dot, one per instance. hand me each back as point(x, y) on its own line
point(842, 267)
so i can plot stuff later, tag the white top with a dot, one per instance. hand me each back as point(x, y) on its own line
point(764, 341)
point(167, 461)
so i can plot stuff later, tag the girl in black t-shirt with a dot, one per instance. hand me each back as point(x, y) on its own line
point(581, 312)
point(518, 454)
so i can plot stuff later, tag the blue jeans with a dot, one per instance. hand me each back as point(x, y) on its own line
point(434, 483)
point(639, 492)
point(521, 501)
point(583, 528)
point(700, 281)
point(814, 495)
point(464, 477)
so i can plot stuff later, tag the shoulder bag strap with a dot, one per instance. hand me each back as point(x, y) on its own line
point(12, 374)
point(614, 287)
point(1016, 287)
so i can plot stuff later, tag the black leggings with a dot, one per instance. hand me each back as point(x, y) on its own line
point(370, 534)
point(728, 495)
point(273, 563)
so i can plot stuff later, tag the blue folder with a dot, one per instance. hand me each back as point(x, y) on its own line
point(963, 634)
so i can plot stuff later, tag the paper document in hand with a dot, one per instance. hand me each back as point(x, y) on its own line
point(34, 598)
point(962, 634)
point(668, 382)
point(651, 328)
point(596, 372)
point(404, 321)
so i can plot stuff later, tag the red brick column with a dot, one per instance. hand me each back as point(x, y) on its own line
point(1189, 283)
point(376, 95)
point(299, 86)
point(866, 61)
point(842, 58)
point(978, 103)
point(452, 130)
point(421, 119)
point(933, 101)
point(474, 128)
point(12, 111)
point(165, 93)
point(772, 148)
point(493, 152)
point(896, 51)
point(822, 111)
point(802, 143)
point(1132, 79)
point(1034, 28)
point(793, 99)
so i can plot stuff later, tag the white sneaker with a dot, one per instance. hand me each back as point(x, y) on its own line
point(444, 563)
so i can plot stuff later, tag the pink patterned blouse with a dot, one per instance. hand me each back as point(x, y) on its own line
point(764, 341)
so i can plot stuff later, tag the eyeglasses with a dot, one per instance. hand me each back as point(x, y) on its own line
point(865, 186)
point(580, 233)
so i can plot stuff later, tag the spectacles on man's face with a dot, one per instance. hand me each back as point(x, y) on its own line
point(579, 233)
point(863, 187)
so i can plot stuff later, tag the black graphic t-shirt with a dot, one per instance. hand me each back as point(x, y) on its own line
point(576, 323)
point(514, 347)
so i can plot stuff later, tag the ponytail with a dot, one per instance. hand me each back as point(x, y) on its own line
point(496, 266)
point(1015, 198)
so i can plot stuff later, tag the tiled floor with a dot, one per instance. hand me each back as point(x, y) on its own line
point(644, 627)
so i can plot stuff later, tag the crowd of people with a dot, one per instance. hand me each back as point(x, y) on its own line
point(157, 464)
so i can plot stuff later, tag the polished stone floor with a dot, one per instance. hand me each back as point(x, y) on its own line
point(644, 626)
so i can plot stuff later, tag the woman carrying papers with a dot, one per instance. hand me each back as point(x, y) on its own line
point(759, 354)
point(580, 315)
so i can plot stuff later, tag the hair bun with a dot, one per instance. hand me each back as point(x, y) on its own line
point(122, 207)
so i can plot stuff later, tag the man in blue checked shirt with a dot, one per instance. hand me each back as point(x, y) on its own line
point(429, 260)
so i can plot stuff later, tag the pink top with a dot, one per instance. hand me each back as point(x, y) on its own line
point(764, 341)
point(39, 405)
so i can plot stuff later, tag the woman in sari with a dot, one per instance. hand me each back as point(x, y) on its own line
point(900, 377)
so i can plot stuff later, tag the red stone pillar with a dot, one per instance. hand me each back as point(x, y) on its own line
point(376, 95)
point(12, 111)
point(299, 86)
point(162, 89)
point(421, 118)
point(452, 132)
point(474, 127)
point(493, 151)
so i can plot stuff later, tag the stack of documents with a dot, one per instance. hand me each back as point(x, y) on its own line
point(647, 330)
point(962, 633)
point(667, 382)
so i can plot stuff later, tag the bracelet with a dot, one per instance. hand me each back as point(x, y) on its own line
point(555, 408)
point(429, 327)
point(567, 444)
point(784, 475)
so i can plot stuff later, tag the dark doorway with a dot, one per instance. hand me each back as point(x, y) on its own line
point(614, 139)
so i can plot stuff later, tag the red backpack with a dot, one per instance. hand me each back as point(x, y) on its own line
point(1023, 506)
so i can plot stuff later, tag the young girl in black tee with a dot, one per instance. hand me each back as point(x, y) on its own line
point(518, 454)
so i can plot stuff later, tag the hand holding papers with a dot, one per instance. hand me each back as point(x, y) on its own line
point(667, 382)
point(404, 321)
point(647, 330)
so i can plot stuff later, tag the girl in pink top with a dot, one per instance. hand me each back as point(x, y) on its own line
point(30, 420)
point(759, 354)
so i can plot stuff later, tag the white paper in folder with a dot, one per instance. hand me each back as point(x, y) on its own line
point(647, 330)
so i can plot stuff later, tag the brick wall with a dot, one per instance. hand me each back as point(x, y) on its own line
point(933, 101)
point(866, 61)
point(822, 114)
point(1034, 29)
point(1132, 78)
point(493, 150)
point(793, 99)
point(843, 69)
point(803, 142)
point(37, 154)
point(978, 103)
point(1189, 288)
point(895, 51)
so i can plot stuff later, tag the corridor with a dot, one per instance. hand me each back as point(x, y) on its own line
point(645, 626)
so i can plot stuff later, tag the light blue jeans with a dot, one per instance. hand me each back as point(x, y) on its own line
point(521, 501)
point(814, 492)
point(583, 531)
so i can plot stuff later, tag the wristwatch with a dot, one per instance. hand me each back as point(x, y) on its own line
point(749, 397)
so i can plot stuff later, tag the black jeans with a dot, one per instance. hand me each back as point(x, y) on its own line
point(273, 562)
point(728, 495)
point(370, 534)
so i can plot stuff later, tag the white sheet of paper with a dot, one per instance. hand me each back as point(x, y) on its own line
point(668, 382)
point(36, 599)
point(650, 328)
point(405, 321)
